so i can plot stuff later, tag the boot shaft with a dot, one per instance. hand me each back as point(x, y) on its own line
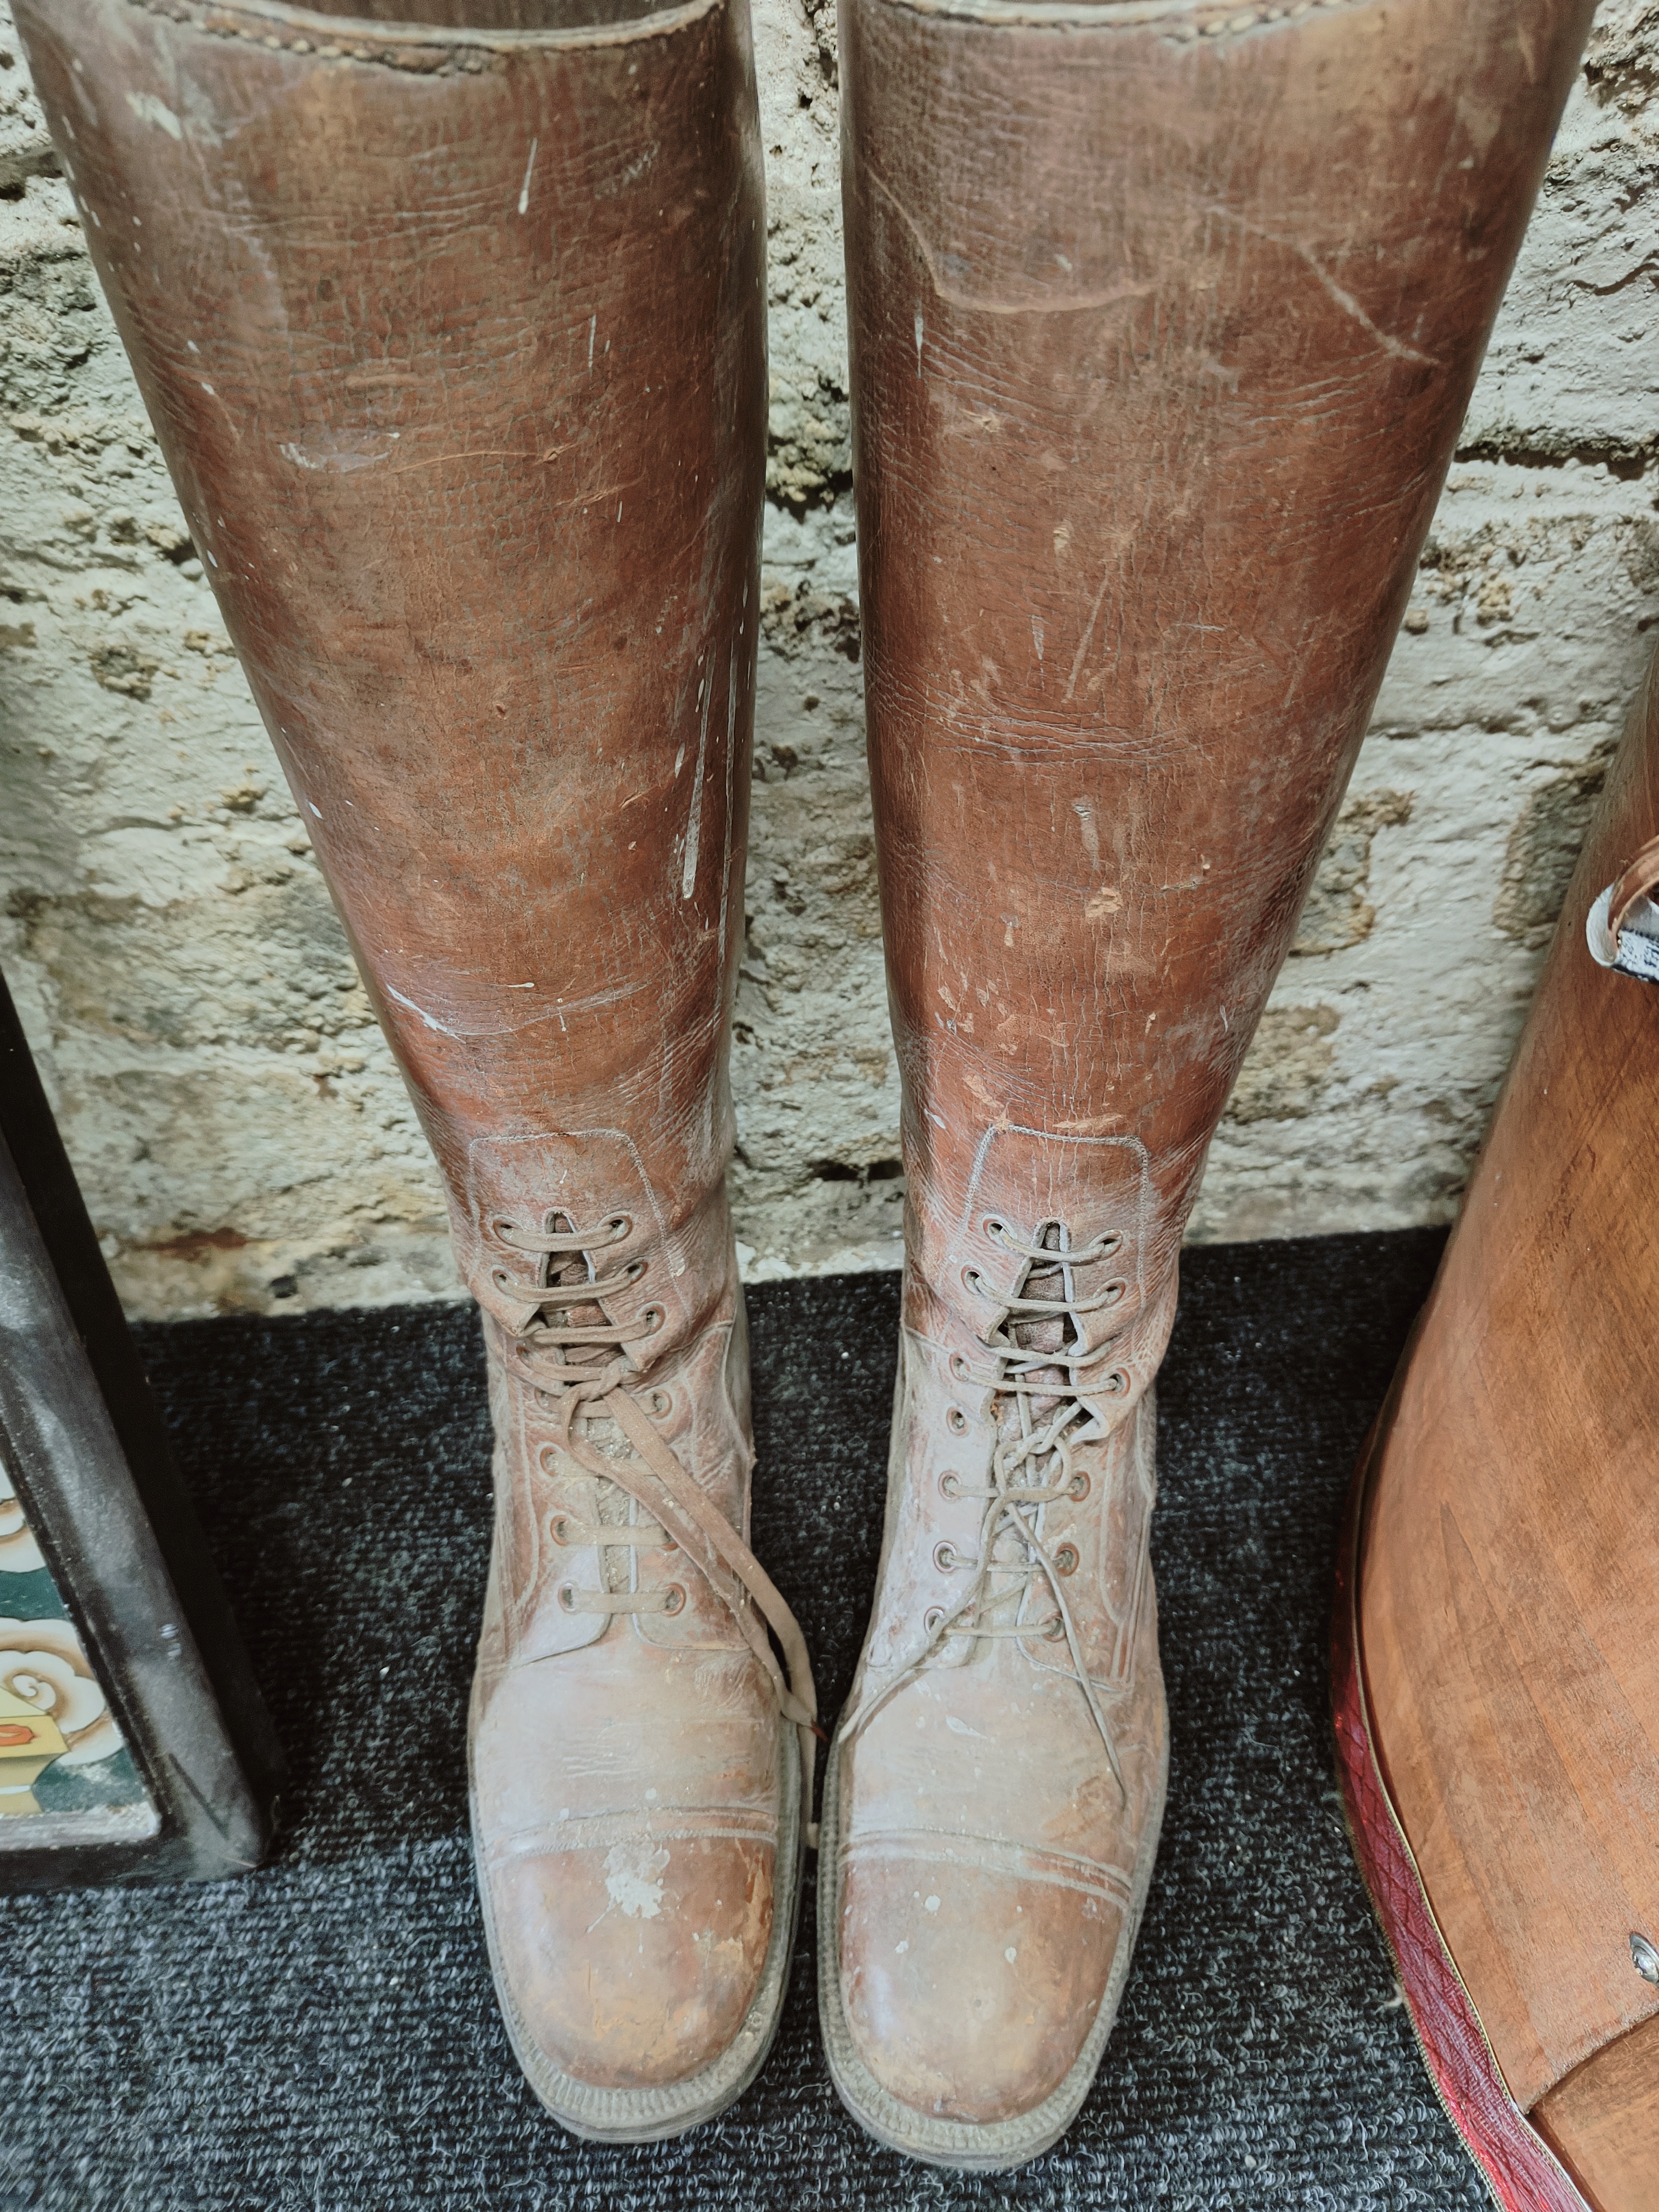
point(454, 341)
point(1164, 321)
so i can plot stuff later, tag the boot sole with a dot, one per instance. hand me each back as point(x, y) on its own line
point(1518, 2166)
point(644, 2116)
point(965, 2145)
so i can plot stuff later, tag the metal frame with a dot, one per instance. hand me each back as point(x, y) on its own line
point(90, 1462)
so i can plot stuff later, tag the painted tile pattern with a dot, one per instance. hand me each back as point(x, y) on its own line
point(66, 1776)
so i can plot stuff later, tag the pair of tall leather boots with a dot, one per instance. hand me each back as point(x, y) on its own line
point(450, 316)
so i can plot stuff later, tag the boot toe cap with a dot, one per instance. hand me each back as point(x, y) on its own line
point(970, 1993)
point(633, 1967)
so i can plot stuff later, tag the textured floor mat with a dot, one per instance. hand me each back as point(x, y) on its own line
point(321, 2035)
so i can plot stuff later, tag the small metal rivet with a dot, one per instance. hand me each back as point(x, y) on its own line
point(1643, 1958)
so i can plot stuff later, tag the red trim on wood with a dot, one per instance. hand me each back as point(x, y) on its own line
point(1522, 2173)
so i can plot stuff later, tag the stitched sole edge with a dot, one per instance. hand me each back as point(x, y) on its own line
point(1521, 2172)
point(643, 2115)
point(967, 2146)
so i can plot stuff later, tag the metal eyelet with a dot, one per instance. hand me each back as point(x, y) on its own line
point(993, 1226)
point(622, 1225)
point(959, 1367)
point(956, 1419)
point(1078, 1486)
point(661, 1404)
point(1117, 1382)
point(674, 1601)
point(522, 1351)
point(945, 1557)
point(1055, 1630)
point(932, 1618)
point(1643, 1957)
point(567, 1598)
point(543, 1397)
point(1115, 1291)
point(950, 1484)
point(1065, 1559)
point(970, 1278)
point(654, 1318)
point(549, 1458)
point(636, 1268)
point(556, 1528)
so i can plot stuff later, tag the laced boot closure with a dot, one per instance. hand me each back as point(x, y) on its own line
point(995, 1788)
point(640, 1752)
point(600, 1351)
point(1051, 1393)
point(587, 1365)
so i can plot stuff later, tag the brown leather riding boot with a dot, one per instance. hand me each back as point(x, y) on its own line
point(1164, 320)
point(1496, 1669)
point(452, 333)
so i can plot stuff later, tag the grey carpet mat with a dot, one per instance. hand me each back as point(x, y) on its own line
point(321, 2036)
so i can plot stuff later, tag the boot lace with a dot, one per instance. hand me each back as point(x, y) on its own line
point(599, 1354)
point(587, 1365)
point(1048, 1398)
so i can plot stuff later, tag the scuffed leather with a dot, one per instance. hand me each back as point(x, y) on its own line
point(1162, 324)
point(625, 1769)
point(979, 1781)
point(479, 492)
point(452, 333)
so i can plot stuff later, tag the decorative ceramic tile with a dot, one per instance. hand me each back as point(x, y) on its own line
point(66, 1776)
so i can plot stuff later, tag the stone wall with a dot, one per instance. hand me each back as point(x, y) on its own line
point(241, 1134)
